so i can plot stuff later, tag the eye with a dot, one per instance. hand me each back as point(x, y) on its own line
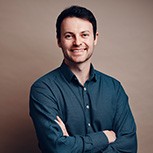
point(68, 36)
point(85, 35)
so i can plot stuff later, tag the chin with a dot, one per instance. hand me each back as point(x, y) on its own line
point(77, 60)
point(80, 61)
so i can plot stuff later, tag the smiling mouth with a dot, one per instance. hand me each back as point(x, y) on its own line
point(78, 50)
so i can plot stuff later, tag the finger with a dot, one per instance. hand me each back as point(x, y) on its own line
point(60, 122)
point(56, 121)
point(59, 119)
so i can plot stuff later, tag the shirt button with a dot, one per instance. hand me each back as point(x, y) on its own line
point(89, 124)
point(87, 106)
point(85, 88)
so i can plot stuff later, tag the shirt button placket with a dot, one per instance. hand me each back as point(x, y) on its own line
point(89, 124)
point(87, 106)
point(86, 98)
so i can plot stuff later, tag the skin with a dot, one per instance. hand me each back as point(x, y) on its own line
point(77, 43)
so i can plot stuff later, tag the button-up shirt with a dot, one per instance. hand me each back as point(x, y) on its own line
point(101, 104)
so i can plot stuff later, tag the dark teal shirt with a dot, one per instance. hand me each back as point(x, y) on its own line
point(101, 104)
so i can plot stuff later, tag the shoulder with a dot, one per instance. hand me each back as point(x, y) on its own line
point(110, 84)
point(47, 79)
point(105, 78)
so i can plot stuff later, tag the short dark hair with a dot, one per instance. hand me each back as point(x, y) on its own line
point(79, 12)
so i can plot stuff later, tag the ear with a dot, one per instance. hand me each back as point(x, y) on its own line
point(96, 39)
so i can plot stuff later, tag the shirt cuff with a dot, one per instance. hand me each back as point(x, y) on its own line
point(98, 140)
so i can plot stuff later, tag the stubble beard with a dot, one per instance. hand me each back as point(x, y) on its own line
point(70, 60)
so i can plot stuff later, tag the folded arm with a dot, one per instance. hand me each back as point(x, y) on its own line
point(43, 110)
point(111, 136)
point(124, 126)
point(124, 138)
point(55, 138)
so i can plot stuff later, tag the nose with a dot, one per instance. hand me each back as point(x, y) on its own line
point(77, 41)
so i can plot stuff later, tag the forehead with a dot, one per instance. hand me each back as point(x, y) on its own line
point(73, 24)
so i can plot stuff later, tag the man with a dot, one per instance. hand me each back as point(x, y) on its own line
point(75, 108)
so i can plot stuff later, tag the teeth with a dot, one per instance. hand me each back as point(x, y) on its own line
point(78, 50)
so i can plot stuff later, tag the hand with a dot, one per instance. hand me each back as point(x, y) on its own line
point(110, 135)
point(62, 126)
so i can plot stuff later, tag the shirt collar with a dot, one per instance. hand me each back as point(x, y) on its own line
point(69, 75)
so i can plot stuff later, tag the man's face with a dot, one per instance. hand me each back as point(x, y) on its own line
point(77, 40)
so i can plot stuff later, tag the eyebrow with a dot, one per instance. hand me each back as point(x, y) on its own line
point(73, 33)
point(68, 33)
point(85, 31)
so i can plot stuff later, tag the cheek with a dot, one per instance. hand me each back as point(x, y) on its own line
point(90, 41)
point(66, 44)
point(90, 44)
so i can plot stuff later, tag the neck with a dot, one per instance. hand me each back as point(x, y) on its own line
point(81, 71)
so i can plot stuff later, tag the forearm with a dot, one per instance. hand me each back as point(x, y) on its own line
point(52, 140)
point(78, 144)
point(124, 127)
point(127, 143)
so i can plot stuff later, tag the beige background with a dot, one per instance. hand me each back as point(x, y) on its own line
point(28, 49)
